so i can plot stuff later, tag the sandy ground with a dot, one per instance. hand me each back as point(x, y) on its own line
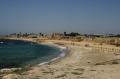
point(80, 63)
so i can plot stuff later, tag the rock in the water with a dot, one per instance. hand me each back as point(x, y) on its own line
point(12, 76)
point(5, 71)
point(10, 70)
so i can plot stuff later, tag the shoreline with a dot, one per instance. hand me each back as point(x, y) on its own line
point(82, 62)
point(63, 52)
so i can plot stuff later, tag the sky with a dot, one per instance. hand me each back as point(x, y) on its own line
point(83, 16)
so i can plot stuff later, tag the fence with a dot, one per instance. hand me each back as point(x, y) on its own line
point(106, 49)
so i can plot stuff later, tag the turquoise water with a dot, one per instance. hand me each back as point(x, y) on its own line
point(14, 53)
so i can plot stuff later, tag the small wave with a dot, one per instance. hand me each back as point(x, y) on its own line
point(43, 63)
point(1, 42)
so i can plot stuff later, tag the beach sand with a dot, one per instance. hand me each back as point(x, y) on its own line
point(82, 62)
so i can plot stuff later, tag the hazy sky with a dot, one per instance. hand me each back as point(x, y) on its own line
point(83, 16)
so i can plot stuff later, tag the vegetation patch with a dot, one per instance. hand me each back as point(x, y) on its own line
point(47, 72)
point(99, 64)
point(59, 76)
point(93, 70)
point(35, 78)
point(76, 73)
point(111, 62)
point(79, 69)
point(115, 62)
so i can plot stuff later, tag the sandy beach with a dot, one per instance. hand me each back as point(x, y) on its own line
point(82, 62)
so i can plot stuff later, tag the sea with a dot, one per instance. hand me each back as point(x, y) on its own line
point(16, 53)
